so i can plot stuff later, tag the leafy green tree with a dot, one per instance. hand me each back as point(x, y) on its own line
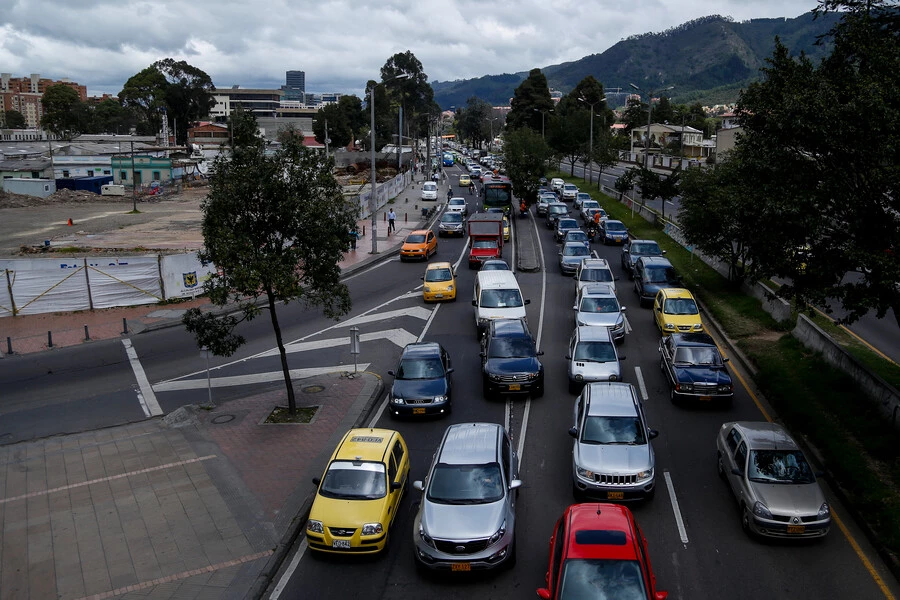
point(525, 155)
point(568, 134)
point(188, 96)
point(625, 182)
point(145, 92)
point(276, 226)
point(635, 114)
point(664, 112)
point(531, 100)
point(63, 114)
point(385, 122)
point(111, 117)
point(473, 120)
point(407, 83)
point(653, 186)
point(15, 120)
point(332, 119)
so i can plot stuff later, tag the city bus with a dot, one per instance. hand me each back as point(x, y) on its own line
point(496, 192)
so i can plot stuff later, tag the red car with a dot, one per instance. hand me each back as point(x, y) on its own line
point(598, 551)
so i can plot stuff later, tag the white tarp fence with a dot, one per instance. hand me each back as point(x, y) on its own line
point(385, 191)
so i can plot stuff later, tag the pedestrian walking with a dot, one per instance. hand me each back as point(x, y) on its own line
point(391, 217)
point(354, 235)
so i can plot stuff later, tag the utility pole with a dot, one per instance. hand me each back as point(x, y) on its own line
point(400, 142)
point(133, 182)
point(591, 150)
point(326, 138)
point(649, 96)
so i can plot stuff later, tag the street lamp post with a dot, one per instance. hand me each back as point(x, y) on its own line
point(543, 113)
point(373, 199)
point(591, 148)
point(649, 95)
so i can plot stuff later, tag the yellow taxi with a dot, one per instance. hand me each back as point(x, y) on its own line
point(676, 311)
point(440, 282)
point(359, 494)
point(505, 229)
point(464, 180)
point(421, 244)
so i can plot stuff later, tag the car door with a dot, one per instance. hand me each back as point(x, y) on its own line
point(667, 350)
point(397, 477)
point(557, 547)
point(739, 462)
point(431, 244)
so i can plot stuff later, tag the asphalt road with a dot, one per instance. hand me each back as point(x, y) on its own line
point(708, 556)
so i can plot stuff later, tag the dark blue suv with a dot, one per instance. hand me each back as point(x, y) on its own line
point(509, 362)
point(422, 384)
point(695, 369)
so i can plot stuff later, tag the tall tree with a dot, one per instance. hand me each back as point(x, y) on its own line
point(408, 89)
point(531, 102)
point(276, 226)
point(145, 92)
point(63, 114)
point(525, 155)
point(473, 120)
point(332, 123)
point(188, 96)
point(15, 120)
point(635, 114)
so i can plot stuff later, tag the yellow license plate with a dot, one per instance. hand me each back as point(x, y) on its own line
point(438, 295)
point(705, 398)
point(461, 567)
point(615, 495)
point(796, 528)
point(418, 411)
point(514, 387)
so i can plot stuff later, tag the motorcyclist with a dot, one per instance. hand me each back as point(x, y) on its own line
point(449, 193)
point(523, 209)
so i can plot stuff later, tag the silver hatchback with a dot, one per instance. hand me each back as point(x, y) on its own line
point(467, 517)
point(597, 306)
point(612, 458)
point(592, 356)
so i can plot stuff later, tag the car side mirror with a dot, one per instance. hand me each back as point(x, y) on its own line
point(573, 431)
point(396, 485)
point(316, 481)
point(450, 370)
point(392, 374)
point(515, 483)
point(624, 250)
point(527, 301)
point(623, 308)
point(664, 251)
point(540, 352)
point(474, 303)
point(736, 472)
point(725, 359)
point(622, 357)
point(418, 485)
point(568, 357)
point(575, 308)
point(661, 596)
point(659, 309)
point(543, 593)
point(652, 434)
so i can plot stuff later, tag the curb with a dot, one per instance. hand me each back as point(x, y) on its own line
point(289, 539)
point(521, 265)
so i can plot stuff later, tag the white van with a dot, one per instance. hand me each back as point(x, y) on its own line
point(497, 296)
point(429, 190)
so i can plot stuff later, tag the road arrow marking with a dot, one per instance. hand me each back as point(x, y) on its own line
point(401, 337)
point(413, 311)
point(255, 378)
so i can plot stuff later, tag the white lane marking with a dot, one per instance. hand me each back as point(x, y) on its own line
point(400, 337)
point(251, 379)
point(643, 388)
point(527, 412)
point(145, 396)
point(370, 269)
point(628, 328)
point(289, 572)
point(419, 312)
point(506, 413)
point(678, 520)
point(430, 319)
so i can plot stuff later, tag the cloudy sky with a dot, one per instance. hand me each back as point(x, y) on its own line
point(339, 44)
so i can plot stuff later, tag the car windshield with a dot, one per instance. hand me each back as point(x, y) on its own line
point(599, 305)
point(591, 204)
point(613, 430)
point(595, 275)
point(430, 187)
point(356, 480)
point(575, 250)
point(568, 224)
point(438, 275)
point(415, 239)
point(576, 236)
point(420, 368)
point(466, 484)
point(680, 306)
point(660, 275)
point(615, 226)
point(570, 187)
point(645, 249)
point(603, 579)
point(501, 299)
point(697, 356)
point(451, 218)
point(511, 348)
point(484, 244)
point(595, 352)
point(559, 209)
point(583, 197)
point(779, 466)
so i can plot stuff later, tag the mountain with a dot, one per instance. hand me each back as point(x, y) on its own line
point(707, 60)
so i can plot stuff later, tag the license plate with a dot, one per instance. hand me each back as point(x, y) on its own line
point(514, 387)
point(705, 398)
point(461, 566)
point(418, 411)
point(340, 544)
point(796, 528)
point(615, 495)
point(438, 295)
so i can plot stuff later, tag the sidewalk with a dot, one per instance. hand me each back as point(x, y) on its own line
point(196, 504)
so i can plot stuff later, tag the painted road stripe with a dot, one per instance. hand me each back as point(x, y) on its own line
point(678, 520)
point(418, 312)
point(400, 337)
point(145, 395)
point(254, 378)
point(110, 478)
point(289, 572)
point(641, 385)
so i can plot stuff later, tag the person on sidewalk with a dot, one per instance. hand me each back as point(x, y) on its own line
point(354, 235)
point(391, 217)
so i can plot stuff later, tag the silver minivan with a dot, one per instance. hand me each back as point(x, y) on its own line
point(612, 458)
point(592, 356)
point(467, 517)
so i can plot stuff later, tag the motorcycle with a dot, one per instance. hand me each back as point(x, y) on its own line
point(592, 231)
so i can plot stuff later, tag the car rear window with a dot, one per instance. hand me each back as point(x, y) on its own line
point(607, 537)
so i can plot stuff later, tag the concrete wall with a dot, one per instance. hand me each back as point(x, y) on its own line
point(779, 308)
point(40, 188)
point(886, 397)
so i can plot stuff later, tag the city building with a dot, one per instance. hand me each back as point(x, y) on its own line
point(23, 94)
point(262, 103)
point(295, 86)
point(662, 135)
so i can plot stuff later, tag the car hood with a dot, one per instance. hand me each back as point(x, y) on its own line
point(462, 521)
point(334, 512)
point(572, 260)
point(790, 499)
point(419, 388)
point(614, 459)
point(512, 365)
point(701, 374)
point(599, 319)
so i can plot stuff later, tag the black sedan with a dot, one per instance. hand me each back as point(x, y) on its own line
point(695, 369)
point(509, 360)
point(422, 384)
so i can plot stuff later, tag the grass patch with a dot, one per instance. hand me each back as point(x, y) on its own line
point(281, 415)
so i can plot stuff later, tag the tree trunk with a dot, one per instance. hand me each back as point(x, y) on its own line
point(292, 401)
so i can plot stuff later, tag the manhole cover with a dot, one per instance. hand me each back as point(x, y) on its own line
point(223, 419)
point(312, 389)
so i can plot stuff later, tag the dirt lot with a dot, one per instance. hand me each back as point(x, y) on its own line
point(99, 224)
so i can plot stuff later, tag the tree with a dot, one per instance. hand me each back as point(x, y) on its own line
point(474, 119)
point(188, 96)
point(653, 186)
point(664, 112)
point(625, 182)
point(331, 118)
point(525, 155)
point(635, 114)
point(276, 226)
point(568, 134)
point(111, 117)
point(145, 92)
point(531, 102)
point(15, 120)
point(63, 115)
point(409, 90)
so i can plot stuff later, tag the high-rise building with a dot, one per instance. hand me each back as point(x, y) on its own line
point(295, 85)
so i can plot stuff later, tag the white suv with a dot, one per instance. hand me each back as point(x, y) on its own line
point(429, 190)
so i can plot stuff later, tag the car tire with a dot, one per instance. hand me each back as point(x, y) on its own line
point(745, 520)
point(511, 559)
point(538, 393)
point(576, 493)
point(673, 398)
point(650, 495)
point(720, 468)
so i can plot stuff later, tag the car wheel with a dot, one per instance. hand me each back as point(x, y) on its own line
point(673, 398)
point(651, 494)
point(745, 520)
point(511, 559)
point(720, 468)
point(538, 393)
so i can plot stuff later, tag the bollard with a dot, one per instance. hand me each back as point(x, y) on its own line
point(124, 327)
point(9, 345)
point(385, 216)
point(87, 336)
point(364, 231)
point(406, 217)
point(49, 339)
